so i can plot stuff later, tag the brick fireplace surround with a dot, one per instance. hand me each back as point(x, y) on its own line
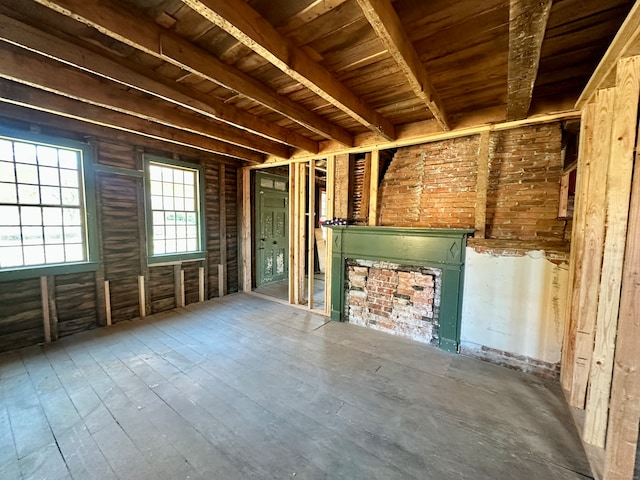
point(407, 281)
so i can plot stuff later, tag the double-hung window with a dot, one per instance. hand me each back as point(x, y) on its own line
point(47, 221)
point(174, 210)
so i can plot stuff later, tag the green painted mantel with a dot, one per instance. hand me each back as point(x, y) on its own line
point(427, 247)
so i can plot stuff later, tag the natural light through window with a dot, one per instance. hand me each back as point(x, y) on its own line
point(42, 218)
point(174, 209)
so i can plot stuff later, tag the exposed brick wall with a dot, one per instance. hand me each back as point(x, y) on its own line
point(524, 188)
point(431, 185)
point(434, 185)
point(402, 300)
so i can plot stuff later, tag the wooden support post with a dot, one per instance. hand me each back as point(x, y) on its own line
point(563, 203)
point(374, 179)
point(624, 411)
point(107, 301)
point(331, 181)
point(178, 284)
point(44, 296)
point(302, 225)
point(621, 158)
point(482, 184)
point(293, 212)
point(585, 298)
point(142, 297)
point(577, 245)
point(53, 308)
point(222, 281)
point(201, 285)
point(342, 177)
point(246, 230)
point(311, 228)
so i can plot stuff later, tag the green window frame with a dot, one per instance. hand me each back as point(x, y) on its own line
point(47, 206)
point(174, 204)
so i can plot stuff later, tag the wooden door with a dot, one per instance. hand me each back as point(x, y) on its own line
point(272, 244)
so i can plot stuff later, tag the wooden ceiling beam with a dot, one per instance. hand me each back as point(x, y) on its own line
point(384, 20)
point(33, 39)
point(143, 34)
point(36, 99)
point(527, 26)
point(22, 66)
point(249, 27)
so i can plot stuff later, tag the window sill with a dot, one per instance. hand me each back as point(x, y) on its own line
point(173, 259)
point(47, 270)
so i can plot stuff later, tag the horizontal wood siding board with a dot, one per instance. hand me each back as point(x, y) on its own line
point(212, 212)
point(161, 288)
point(231, 185)
point(75, 297)
point(20, 314)
point(191, 282)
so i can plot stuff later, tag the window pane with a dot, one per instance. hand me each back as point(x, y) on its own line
point(68, 159)
point(71, 216)
point(49, 176)
point(8, 193)
point(156, 188)
point(25, 153)
point(50, 195)
point(158, 232)
point(181, 245)
point(156, 202)
point(159, 247)
point(72, 235)
point(11, 257)
point(52, 216)
point(53, 235)
point(10, 236)
point(171, 246)
point(74, 253)
point(179, 204)
point(31, 216)
point(178, 176)
point(192, 244)
point(168, 203)
point(48, 156)
point(7, 172)
point(32, 236)
point(70, 196)
point(28, 194)
point(27, 174)
point(191, 218)
point(54, 253)
point(155, 172)
point(6, 150)
point(34, 255)
point(69, 178)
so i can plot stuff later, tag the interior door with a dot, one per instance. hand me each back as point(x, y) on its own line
point(272, 244)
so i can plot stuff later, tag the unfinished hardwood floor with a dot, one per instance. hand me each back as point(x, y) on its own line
point(241, 387)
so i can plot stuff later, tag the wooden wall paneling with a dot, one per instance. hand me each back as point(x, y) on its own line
point(191, 282)
point(178, 283)
point(623, 143)
point(374, 180)
point(101, 310)
point(311, 228)
point(202, 284)
point(563, 207)
point(161, 288)
point(624, 412)
point(222, 266)
point(20, 314)
point(577, 246)
point(76, 302)
point(586, 297)
point(246, 230)
point(232, 246)
point(143, 294)
point(482, 184)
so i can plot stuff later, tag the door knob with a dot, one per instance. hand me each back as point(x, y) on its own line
point(275, 242)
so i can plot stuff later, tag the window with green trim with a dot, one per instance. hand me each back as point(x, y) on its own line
point(43, 204)
point(174, 220)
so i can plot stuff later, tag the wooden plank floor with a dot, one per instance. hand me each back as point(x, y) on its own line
point(242, 388)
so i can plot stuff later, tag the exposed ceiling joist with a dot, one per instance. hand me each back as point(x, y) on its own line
point(527, 26)
point(134, 30)
point(31, 38)
point(30, 97)
point(246, 25)
point(388, 26)
point(25, 67)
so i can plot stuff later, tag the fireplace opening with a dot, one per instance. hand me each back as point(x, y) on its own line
point(399, 299)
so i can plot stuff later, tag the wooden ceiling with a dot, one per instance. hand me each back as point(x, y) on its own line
point(274, 78)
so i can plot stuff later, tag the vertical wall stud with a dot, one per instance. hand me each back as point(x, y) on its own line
point(142, 297)
point(201, 289)
point(107, 301)
point(44, 295)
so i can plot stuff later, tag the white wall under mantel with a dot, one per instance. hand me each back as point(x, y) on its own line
point(514, 304)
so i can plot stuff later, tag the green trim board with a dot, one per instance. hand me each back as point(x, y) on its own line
point(428, 247)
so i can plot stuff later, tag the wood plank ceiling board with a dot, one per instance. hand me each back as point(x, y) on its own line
point(254, 31)
point(111, 19)
point(388, 26)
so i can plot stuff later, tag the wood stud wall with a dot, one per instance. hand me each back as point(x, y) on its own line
point(603, 287)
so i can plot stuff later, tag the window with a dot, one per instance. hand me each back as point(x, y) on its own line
point(43, 206)
point(174, 221)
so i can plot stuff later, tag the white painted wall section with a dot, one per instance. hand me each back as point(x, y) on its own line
point(515, 304)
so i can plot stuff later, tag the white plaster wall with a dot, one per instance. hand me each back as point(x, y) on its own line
point(514, 304)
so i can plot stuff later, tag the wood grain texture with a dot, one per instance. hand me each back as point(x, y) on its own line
point(621, 161)
point(586, 296)
point(624, 413)
point(76, 302)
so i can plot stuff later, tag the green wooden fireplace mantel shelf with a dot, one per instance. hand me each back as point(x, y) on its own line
point(426, 247)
